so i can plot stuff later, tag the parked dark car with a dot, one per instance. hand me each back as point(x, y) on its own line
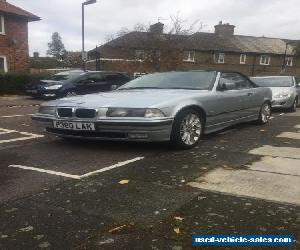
point(76, 82)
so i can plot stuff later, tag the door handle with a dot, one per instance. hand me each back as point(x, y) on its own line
point(249, 94)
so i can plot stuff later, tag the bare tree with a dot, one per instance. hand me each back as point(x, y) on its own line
point(123, 31)
point(109, 38)
point(141, 27)
point(181, 26)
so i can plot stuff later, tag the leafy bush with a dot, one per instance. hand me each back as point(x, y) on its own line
point(14, 83)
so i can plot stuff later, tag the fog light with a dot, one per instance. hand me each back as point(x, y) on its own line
point(138, 136)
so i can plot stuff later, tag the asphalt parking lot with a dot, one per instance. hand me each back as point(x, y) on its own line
point(58, 194)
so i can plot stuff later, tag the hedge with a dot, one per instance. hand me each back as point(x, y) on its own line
point(13, 83)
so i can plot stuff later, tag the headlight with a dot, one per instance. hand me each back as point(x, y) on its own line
point(152, 113)
point(132, 112)
point(53, 87)
point(283, 95)
point(47, 110)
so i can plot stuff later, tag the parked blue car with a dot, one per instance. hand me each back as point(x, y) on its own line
point(76, 82)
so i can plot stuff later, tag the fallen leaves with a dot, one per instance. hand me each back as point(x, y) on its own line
point(26, 229)
point(117, 229)
point(178, 218)
point(227, 167)
point(123, 182)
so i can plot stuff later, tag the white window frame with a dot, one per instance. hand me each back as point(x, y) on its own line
point(243, 59)
point(218, 57)
point(2, 32)
point(5, 63)
point(191, 56)
point(289, 61)
point(265, 60)
point(138, 74)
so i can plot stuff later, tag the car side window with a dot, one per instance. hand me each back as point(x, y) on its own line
point(95, 77)
point(243, 82)
point(235, 81)
point(112, 77)
point(229, 80)
point(90, 77)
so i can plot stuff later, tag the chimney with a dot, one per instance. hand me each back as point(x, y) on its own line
point(225, 29)
point(36, 54)
point(157, 28)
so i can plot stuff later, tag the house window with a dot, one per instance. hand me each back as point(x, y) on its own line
point(289, 61)
point(138, 74)
point(2, 27)
point(189, 56)
point(219, 58)
point(3, 64)
point(140, 55)
point(243, 58)
point(265, 60)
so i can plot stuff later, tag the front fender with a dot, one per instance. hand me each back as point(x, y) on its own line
point(180, 106)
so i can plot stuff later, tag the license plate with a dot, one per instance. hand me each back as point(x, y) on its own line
point(85, 126)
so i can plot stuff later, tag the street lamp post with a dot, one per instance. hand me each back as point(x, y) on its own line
point(83, 31)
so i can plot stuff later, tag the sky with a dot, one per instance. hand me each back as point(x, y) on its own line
point(270, 18)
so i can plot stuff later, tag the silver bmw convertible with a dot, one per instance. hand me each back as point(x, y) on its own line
point(173, 106)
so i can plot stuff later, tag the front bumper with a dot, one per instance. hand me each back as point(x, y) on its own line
point(43, 93)
point(125, 130)
point(282, 102)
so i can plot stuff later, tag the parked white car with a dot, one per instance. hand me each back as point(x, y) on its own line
point(285, 90)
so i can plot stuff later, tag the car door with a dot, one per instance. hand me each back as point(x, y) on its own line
point(252, 96)
point(297, 80)
point(229, 102)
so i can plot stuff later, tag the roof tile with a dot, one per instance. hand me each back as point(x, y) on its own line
point(10, 9)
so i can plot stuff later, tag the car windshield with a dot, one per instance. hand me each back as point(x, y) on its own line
point(201, 80)
point(273, 81)
point(65, 76)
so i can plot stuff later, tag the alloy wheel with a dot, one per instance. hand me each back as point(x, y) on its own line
point(265, 113)
point(190, 129)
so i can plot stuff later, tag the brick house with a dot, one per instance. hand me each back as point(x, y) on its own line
point(144, 52)
point(14, 55)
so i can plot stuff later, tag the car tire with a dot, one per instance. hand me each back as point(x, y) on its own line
point(293, 108)
point(264, 113)
point(187, 129)
point(70, 93)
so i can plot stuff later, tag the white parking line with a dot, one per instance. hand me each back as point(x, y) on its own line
point(119, 164)
point(78, 177)
point(6, 131)
point(12, 116)
point(24, 136)
point(46, 171)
